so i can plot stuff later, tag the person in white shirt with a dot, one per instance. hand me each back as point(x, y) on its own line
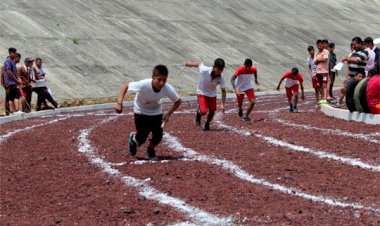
point(147, 107)
point(209, 79)
point(244, 86)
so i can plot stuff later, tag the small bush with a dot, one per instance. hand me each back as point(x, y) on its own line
point(76, 41)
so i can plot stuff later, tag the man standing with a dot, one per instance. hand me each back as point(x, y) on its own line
point(209, 79)
point(11, 80)
point(26, 74)
point(321, 59)
point(244, 86)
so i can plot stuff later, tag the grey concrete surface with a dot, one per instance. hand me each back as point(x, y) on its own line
point(120, 41)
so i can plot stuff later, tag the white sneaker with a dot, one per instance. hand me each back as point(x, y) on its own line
point(19, 112)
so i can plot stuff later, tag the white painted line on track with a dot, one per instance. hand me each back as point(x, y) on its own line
point(198, 216)
point(336, 132)
point(229, 166)
point(277, 142)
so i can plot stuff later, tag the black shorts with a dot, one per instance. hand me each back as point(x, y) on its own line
point(14, 93)
point(146, 124)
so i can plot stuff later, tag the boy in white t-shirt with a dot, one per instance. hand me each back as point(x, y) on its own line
point(147, 107)
point(209, 79)
point(293, 78)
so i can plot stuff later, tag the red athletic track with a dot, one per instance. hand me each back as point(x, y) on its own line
point(48, 177)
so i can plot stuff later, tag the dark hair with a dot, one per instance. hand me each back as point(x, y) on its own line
point(19, 55)
point(310, 48)
point(358, 40)
point(325, 41)
point(160, 70)
point(331, 45)
point(248, 62)
point(368, 40)
point(12, 50)
point(219, 63)
point(319, 41)
point(294, 71)
point(39, 59)
point(372, 72)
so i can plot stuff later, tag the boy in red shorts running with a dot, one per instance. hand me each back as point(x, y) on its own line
point(147, 107)
point(209, 79)
point(244, 86)
point(293, 78)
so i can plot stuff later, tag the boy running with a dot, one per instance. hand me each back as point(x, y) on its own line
point(147, 107)
point(293, 77)
point(244, 86)
point(209, 79)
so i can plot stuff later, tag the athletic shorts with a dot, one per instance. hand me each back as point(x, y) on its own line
point(14, 93)
point(315, 83)
point(146, 124)
point(322, 78)
point(250, 95)
point(291, 90)
point(206, 103)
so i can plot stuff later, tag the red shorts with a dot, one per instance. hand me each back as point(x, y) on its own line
point(315, 83)
point(206, 103)
point(291, 90)
point(250, 95)
point(322, 78)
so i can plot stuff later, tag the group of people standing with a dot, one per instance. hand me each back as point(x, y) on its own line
point(20, 82)
point(361, 63)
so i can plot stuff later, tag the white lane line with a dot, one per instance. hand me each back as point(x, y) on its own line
point(229, 166)
point(14, 132)
point(336, 132)
point(277, 142)
point(198, 216)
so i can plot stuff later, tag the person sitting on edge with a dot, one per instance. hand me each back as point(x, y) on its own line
point(293, 78)
point(147, 107)
point(209, 79)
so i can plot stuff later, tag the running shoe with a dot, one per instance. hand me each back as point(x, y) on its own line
point(247, 119)
point(132, 144)
point(295, 110)
point(323, 101)
point(197, 119)
point(206, 127)
point(151, 154)
point(240, 112)
point(291, 108)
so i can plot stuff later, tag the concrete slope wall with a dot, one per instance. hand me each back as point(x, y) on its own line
point(121, 41)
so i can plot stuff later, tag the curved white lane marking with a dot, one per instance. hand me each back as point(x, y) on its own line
point(229, 166)
point(277, 142)
point(197, 215)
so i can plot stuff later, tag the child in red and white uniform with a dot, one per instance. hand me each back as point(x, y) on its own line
point(244, 86)
point(293, 78)
point(147, 107)
point(209, 79)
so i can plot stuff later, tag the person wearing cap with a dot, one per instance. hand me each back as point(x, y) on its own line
point(209, 79)
point(293, 78)
point(244, 86)
point(26, 73)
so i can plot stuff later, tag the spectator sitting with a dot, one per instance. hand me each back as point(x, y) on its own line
point(350, 91)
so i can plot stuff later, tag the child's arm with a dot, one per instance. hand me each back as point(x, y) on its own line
point(223, 100)
point(278, 87)
point(233, 78)
point(303, 94)
point(256, 82)
point(192, 64)
point(173, 109)
point(119, 105)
